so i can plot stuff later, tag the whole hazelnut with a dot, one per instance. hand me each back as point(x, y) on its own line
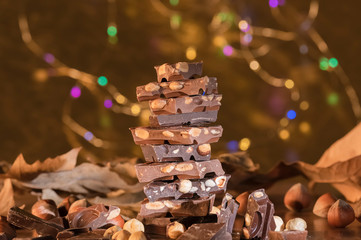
point(279, 223)
point(78, 205)
point(242, 199)
point(45, 209)
point(296, 224)
point(175, 229)
point(340, 214)
point(323, 204)
point(297, 198)
point(137, 236)
point(133, 225)
point(111, 231)
point(121, 235)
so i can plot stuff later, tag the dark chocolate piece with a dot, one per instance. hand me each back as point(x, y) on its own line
point(205, 231)
point(288, 235)
point(176, 135)
point(24, 219)
point(177, 208)
point(186, 188)
point(183, 119)
point(228, 212)
point(147, 172)
point(259, 217)
point(176, 153)
point(70, 232)
point(35, 238)
point(186, 104)
point(199, 86)
point(6, 230)
point(178, 71)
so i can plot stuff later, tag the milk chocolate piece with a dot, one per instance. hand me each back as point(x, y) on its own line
point(183, 119)
point(177, 208)
point(260, 211)
point(199, 86)
point(228, 212)
point(70, 232)
point(147, 172)
point(205, 231)
point(35, 238)
point(181, 70)
point(24, 219)
point(176, 135)
point(201, 188)
point(186, 104)
point(175, 153)
point(288, 235)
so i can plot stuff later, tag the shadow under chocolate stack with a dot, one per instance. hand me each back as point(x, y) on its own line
point(182, 178)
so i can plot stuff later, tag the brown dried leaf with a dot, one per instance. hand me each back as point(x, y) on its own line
point(25, 172)
point(6, 197)
point(82, 179)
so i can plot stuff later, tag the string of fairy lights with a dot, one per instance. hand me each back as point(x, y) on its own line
point(221, 23)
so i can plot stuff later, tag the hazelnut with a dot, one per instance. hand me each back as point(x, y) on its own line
point(182, 66)
point(121, 235)
point(215, 131)
point(45, 209)
point(323, 204)
point(151, 87)
point(137, 236)
point(161, 69)
point(204, 149)
point(158, 103)
point(195, 132)
point(168, 204)
point(296, 224)
point(280, 225)
point(141, 133)
point(175, 86)
point(185, 186)
point(168, 168)
point(215, 210)
point(182, 167)
point(340, 214)
point(64, 206)
point(247, 220)
point(297, 198)
point(175, 229)
point(163, 84)
point(133, 225)
point(154, 205)
point(168, 134)
point(245, 233)
point(221, 181)
point(78, 205)
point(258, 194)
point(210, 183)
point(110, 231)
point(242, 199)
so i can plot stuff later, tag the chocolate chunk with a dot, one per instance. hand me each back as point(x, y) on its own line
point(176, 153)
point(176, 135)
point(199, 86)
point(70, 232)
point(177, 208)
point(183, 119)
point(288, 235)
point(147, 172)
point(205, 231)
point(23, 219)
point(228, 212)
point(178, 71)
point(186, 188)
point(186, 104)
point(6, 230)
point(35, 238)
point(259, 217)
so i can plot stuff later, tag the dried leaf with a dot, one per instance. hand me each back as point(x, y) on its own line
point(6, 197)
point(25, 172)
point(125, 169)
point(81, 179)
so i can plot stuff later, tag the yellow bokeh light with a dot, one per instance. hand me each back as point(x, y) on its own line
point(219, 41)
point(254, 65)
point(244, 144)
point(304, 105)
point(135, 109)
point(243, 25)
point(284, 122)
point(144, 117)
point(40, 75)
point(284, 134)
point(191, 53)
point(305, 127)
point(289, 84)
point(120, 99)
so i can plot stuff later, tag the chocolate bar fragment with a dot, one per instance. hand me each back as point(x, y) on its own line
point(34, 238)
point(176, 135)
point(187, 104)
point(193, 118)
point(199, 86)
point(81, 233)
point(147, 172)
point(178, 71)
point(6, 230)
point(23, 219)
point(259, 217)
point(288, 235)
point(206, 231)
point(228, 212)
point(177, 208)
point(186, 188)
point(176, 153)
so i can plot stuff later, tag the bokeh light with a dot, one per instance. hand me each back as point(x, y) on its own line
point(254, 65)
point(232, 146)
point(113, 39)
point(49, 58)
point(289, 84)
point(284, 122)
point(219, 41)
point(120, 99)
point(40, 75)
point(291, 114)
point(303, 49)
point(75, 92)
point(305, 127)
point(273, 3)
point(102, 81)
point(284, 134)
point(246, 39)
point(333, 62)
point(88, 136)
point(304, 105)
point(191, 53)
point(108, 103)
point(228, 50)
point(323, 64)
point(135, 109)
point(112, 31)
point(243, 26)
point(175, 21)
point(174, 2)
point(332, 99)
point(244, 144)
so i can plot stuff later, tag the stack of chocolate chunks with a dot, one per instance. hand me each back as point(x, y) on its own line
point(182, 178)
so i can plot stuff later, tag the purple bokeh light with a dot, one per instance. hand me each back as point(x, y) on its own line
point(88, 136)
point(108, 103)
point(49, 58)
point(75, 92)
point(228, 50)
point(273, 3)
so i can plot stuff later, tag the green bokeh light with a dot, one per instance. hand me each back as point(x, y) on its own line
point(324, 64)
point(112, 31)
point(332, 99)
point(175, 20)
point(102, 81)
point(174, 2)
point(333, 62)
